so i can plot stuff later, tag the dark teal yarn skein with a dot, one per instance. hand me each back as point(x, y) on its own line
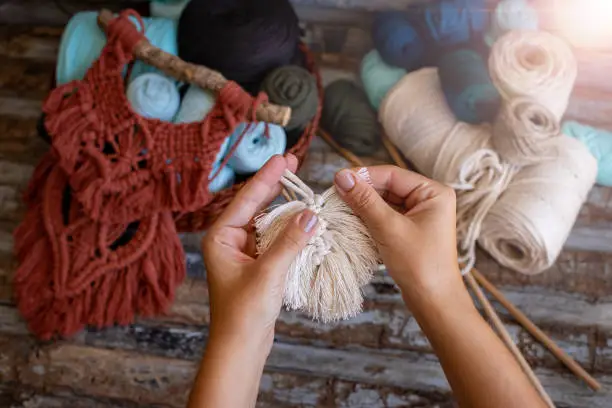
point(295, 87)
point(467, 86)
point(349, 118)
point(397, 41)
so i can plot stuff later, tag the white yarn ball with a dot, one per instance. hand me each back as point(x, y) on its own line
point(154, 96)
point(256, 148)
point(196, 104)
point(535, 64)
point(511, 15)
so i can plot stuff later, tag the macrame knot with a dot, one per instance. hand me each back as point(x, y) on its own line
point(315, 203)
point(325, 279)
point(322, 242)
point(123, 30)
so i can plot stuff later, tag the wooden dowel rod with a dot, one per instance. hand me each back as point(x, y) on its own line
point(536, 332)
point(505, 336)
point(354, 160)
point(203, 77)
point(393, 152)
point(519, 316)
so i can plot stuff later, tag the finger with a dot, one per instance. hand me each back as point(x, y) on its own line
point(224, 241)
point(255, 194)
point(290, 242)
point(292, 162)
point(405, 186)
point(364, 200)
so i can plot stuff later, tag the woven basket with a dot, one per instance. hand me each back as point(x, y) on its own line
point(153, 165)
point(203, 218)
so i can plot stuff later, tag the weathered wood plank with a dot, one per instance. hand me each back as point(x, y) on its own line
point(14, 351)
point(27, 400)
point(147, 380)
point(41, 12)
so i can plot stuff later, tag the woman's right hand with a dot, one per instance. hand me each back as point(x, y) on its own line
point(417, 243)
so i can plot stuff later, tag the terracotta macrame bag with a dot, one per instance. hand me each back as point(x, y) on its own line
point(98, 245)
point(123, 166)
point(75, 272)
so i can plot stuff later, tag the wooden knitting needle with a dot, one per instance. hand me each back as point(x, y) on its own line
point(201, 76)
point(519, 316)
point(505, 336)
point(536, 332)
point(354, 160)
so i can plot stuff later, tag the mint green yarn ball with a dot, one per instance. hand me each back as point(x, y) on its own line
point(378, 77)
point(599, 143)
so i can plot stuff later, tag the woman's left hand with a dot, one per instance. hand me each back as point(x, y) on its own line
point(245, 290)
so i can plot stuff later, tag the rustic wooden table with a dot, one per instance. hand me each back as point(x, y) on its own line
point(379, 359)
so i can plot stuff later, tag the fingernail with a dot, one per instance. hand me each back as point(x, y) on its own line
point(308, 220)
point(345, 180)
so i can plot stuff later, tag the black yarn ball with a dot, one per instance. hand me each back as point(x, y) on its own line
point(242, 39)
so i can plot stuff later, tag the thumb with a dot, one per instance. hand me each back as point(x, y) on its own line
point(363, 199)
point(290, 242)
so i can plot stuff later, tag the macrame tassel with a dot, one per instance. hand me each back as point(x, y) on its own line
point(325, 279)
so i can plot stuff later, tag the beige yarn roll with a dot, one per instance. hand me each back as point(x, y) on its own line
point(536, 64)
point(509, 211)
point(418, 120)
point(526, 229)
point(523, 130)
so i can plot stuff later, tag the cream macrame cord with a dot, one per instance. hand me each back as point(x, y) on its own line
point(326, 277)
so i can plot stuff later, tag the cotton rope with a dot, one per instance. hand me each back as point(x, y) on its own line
point(325, 279)
point(499, 204)
point(536, 64)
point(523, 130)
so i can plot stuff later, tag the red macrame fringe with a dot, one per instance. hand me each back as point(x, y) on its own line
point(123, 166)
point(69, 276)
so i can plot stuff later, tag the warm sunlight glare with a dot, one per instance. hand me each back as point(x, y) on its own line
point(585, 23)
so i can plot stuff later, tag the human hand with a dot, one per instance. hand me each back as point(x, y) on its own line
point(417, 243)
point(246, 291)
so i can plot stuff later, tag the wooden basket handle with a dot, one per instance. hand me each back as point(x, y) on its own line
point(198, 75)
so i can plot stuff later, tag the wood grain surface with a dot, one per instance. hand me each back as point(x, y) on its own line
point(379, 359)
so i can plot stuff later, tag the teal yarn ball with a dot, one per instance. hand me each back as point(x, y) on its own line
point(257, 146)
point(511, 15)
point(397, 41)
point(195, 105)
point(223, 180)
point(378, 77)
point(154, 96)
point(83, 41)
point(468, 89)
point(599, 143)
point(452, 22)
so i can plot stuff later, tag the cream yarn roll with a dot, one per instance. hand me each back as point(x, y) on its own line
point(418, 120)
point(526, 229)
point(509, 210)
point(536, 64)
point(522, 131)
